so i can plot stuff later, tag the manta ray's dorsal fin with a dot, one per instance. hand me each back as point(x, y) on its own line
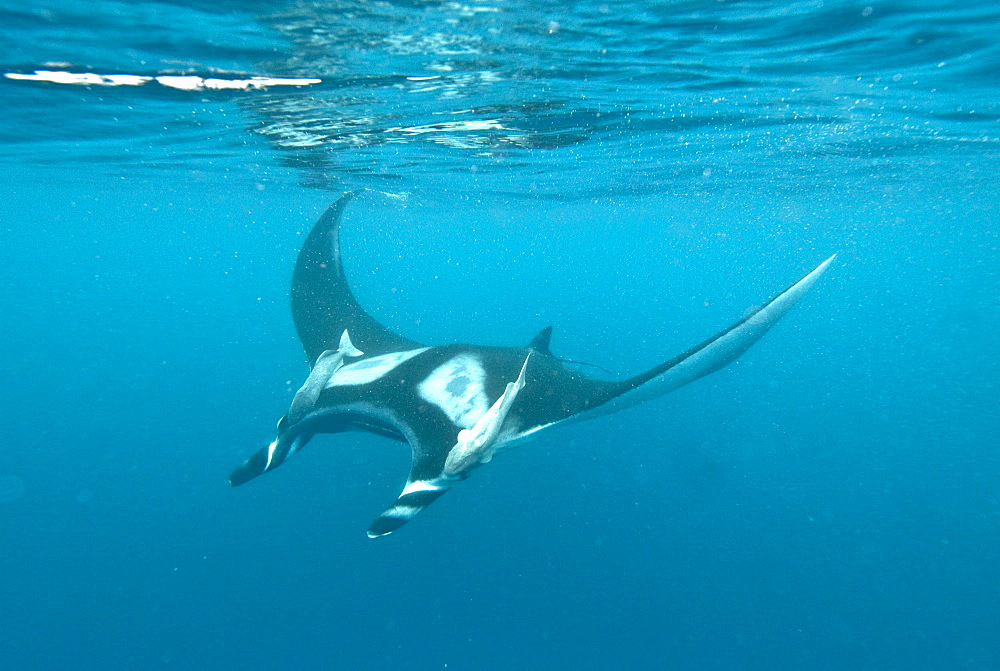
point(540, 343)
point(323, 306)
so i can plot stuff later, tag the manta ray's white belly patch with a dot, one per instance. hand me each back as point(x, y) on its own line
point(456, 386)
point(369, 370)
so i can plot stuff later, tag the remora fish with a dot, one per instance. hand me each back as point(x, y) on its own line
point(475, 446)
point(328, 363)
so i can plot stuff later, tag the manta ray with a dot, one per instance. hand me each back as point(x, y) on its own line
point(455, 405)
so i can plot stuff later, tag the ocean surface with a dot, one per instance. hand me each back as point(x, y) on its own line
point(637, 175)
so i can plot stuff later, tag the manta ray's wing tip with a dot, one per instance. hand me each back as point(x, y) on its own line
point(810, 277)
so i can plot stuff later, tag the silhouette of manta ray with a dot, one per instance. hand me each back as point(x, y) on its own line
point(456, 405)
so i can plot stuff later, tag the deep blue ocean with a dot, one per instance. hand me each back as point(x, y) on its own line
point(637, 175)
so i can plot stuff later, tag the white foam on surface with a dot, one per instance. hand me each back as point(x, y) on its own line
point(182, 82)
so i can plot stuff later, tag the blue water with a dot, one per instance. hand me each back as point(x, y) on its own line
point(636, 174)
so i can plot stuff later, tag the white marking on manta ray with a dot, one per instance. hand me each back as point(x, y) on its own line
point(369, 370)
point(270, 454)
point(456, 386)
point(419, 486)
point(403, 510)
point(295, 447)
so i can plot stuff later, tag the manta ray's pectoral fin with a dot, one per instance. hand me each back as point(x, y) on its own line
point(417, 495)
point(716, 352)
point(322, 303)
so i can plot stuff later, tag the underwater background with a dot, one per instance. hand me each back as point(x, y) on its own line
point(636, 174)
